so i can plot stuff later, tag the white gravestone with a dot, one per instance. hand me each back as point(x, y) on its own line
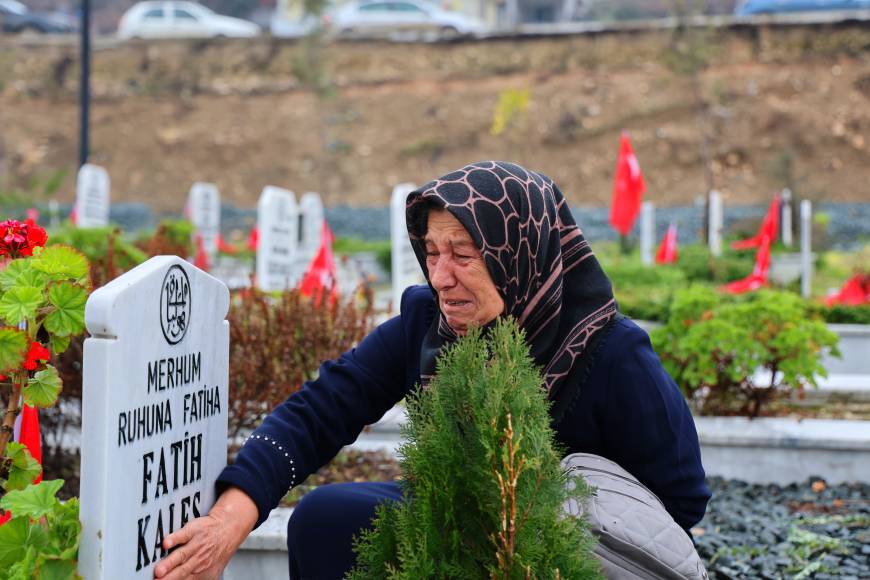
point(786, 218)
point(278, 227)
point(92, 197)
point(806, 248)
point(204, 206)
point(154, 413)
point(310, 229)
point(405, 267)
point(647, 232)
point(714, 224)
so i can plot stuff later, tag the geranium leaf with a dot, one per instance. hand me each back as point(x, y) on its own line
point(20, 303)
point(62, 263)
point(57, 569)
point(10, 273)
point(58, 343)
point(13, 348)
point(43, 388)
point(68, 316)
point(23, 469)
point(13, 539)
point(33, 501)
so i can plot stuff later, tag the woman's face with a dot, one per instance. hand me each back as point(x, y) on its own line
point(457, 271)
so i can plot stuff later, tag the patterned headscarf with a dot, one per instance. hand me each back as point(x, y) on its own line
point(539, 260)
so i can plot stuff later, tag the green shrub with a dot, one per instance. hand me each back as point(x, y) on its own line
point(484, 485)
point(644, 292)
point(844, 314)
point(699, 265)
point(712, 345)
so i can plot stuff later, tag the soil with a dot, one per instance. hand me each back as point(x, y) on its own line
point(781, 107)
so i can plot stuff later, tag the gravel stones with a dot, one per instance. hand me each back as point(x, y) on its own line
point(806, 530)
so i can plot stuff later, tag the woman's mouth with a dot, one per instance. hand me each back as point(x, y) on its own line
point(455, 304)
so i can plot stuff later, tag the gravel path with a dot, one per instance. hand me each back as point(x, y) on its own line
point(807, 530)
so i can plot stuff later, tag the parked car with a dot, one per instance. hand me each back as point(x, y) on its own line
point(399, 19)
point(751, 7)
point(181, 19)
point(15, 17)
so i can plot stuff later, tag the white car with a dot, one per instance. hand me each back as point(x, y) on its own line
point(181, 19)
point(400, 19)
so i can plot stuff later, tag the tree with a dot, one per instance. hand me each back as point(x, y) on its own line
point(482, 478)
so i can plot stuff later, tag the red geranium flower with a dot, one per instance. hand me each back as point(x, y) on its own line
point(19, 239)
point(36, 236)
point(36, 355)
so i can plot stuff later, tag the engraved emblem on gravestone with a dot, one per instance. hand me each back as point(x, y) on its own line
point(175, 304)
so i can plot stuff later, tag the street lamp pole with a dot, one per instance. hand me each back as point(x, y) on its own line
point(85, 84)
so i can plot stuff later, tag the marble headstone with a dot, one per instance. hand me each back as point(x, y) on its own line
point(204, 208)
point(405, 267)
point(154, 413)
point(92, 197)
point(311, 217)
point(278, 227)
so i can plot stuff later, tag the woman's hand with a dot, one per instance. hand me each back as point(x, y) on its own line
point(203, 547)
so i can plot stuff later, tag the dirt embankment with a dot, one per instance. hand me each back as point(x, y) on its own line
point(787, 106)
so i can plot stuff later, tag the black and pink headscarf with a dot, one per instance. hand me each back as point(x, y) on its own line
point(538, 259)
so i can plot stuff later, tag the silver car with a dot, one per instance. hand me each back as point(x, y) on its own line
point(399, 20)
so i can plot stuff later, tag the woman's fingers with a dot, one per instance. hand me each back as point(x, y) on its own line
point(194, 551)
point(182, 536)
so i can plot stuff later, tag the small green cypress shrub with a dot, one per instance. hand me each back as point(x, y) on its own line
point(483, 485)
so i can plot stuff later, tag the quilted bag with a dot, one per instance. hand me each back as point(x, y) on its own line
point(637, 538)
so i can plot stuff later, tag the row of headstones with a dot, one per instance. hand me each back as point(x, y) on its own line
point(715, 218)
point(289, 232)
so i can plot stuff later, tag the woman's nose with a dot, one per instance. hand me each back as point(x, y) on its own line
point(441, 274)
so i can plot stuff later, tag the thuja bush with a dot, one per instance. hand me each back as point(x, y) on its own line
point(279, 341)
point(712, 345)
point(42, 301)
point(482, 482)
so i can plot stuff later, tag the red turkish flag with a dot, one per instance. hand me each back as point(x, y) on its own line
point(769, 227)
point(254, 238)
point(855, 291)
point(201, 259)
point(667, 253)
point(628, 188)
point(321, 273)
point(30, 435)
point(758, 278)
point(224, 247)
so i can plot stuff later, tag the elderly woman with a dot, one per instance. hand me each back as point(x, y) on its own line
point(493, 239)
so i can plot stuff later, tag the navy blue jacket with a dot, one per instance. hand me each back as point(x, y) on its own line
point(629, 411)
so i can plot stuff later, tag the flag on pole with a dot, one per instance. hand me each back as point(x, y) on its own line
point(74, 216)
point(855, 292)
point(628, 188)
point(201, 259)
point(769, 227)
point(223, 246)
point(321, 273)
point(254, 238)
point(30, 437)
point(758, 278)
point(667, 252)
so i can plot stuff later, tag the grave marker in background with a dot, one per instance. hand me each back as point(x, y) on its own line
point(647, 232)
point(405, 267)
point(806, 248)
point(714, 224)
point(204, 209)
point(154, 413)
point(310, 228)
point(278, 227)
point(92, 197)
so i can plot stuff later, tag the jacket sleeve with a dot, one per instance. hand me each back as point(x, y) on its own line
point(312, 425)
point(651, 430)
